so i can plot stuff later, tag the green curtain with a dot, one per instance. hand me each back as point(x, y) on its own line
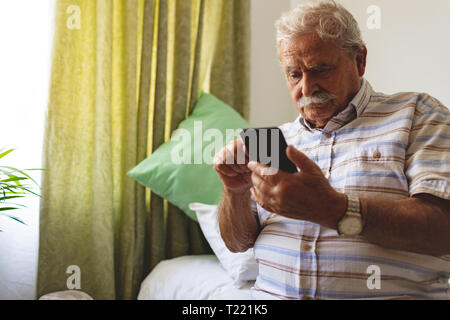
point(122, 80)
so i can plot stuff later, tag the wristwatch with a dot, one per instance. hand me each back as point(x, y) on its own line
point(351, 224)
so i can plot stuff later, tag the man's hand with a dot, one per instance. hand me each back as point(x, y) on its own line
point(305, 195)
point(231, 166)
point(238, 225)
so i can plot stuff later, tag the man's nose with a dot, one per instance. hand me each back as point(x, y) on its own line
point(309, 85)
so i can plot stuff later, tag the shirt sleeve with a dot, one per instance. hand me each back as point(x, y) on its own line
point(254, 206)
point(428, 152)
point(262, 214)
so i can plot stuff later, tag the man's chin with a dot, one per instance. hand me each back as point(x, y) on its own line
point(318, 106)
point(318, 113)
point(317, 120)
point(317, 110)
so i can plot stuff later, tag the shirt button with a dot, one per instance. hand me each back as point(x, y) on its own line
point(328, 136)
point(306, 247)
point(377, 155)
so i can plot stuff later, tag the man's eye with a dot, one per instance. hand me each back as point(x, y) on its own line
point(322, 71)
point(319, 71)
point(295, 75)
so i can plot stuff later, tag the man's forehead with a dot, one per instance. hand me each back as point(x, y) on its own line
point(308, 47)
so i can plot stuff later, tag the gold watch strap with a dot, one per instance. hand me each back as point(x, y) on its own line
point(353, 206)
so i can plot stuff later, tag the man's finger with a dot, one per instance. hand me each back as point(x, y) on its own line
point(226, 170)
point(241, 169)
point(263, 201)
point(262, 170)
point(302, 161)
point(260, 184)
point(238, 150)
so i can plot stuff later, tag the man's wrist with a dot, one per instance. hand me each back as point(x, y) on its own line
point(337, 211)
point(239, 192)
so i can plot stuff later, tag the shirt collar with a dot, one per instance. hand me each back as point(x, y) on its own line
point(362, 98)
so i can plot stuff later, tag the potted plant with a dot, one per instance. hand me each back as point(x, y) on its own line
point(14, 184)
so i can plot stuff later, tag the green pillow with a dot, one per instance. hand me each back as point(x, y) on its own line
point(181, 170)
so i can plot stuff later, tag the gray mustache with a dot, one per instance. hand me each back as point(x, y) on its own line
point(318, 98)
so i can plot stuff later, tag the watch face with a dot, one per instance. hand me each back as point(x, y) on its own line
point(351, 226)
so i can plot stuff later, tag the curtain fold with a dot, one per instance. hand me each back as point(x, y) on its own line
point(120, 85)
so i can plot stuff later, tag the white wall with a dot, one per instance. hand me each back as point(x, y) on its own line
point(270, 102)
point(24, 77)
point(411, 51)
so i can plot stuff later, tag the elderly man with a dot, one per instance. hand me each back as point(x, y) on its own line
point(368, 214)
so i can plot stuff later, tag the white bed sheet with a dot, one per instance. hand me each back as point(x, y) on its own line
point(191, 278)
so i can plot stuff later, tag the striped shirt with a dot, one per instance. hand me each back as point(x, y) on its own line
point(382, 147)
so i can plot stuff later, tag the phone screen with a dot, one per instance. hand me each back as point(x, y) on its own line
point(268, 146)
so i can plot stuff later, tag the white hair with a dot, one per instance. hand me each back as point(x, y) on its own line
point(325, 17)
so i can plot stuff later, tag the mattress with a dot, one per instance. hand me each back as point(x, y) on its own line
point(198, 277)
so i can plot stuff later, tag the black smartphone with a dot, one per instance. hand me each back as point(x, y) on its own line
point(268, 146)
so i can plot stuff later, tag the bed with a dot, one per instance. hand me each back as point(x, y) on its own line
point(223, 276)
point(192, 278)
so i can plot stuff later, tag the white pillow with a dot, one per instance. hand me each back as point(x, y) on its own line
point(199, 277)
point(241, 267)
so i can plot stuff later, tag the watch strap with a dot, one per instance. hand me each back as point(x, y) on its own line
point(353, 206)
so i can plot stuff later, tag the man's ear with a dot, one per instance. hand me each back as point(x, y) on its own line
point(361, 60)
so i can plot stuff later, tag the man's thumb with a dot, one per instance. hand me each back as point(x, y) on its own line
point(302, 161)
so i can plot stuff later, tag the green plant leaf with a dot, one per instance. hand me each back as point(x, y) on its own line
point(14, 218)
point(10, 188)
point(5, 153)
point(6, 172)
point(24, 193)
point(13, 179)
point(14, 185)
point(15, 189)
point(14, 204)
point(29, 191)
point(5, 197)
point(21, 172)
point(7, 187)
